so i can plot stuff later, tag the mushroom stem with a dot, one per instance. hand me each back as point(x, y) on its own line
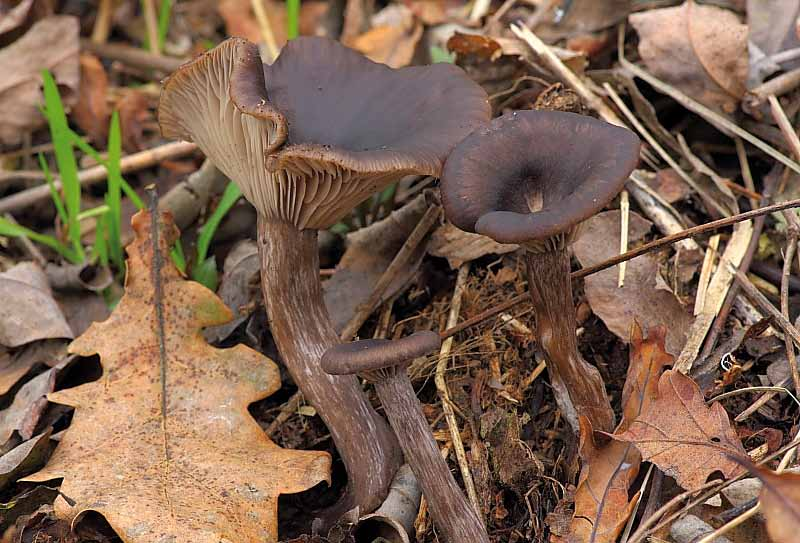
point(551, 291)
point(454, 516)
point(303, 332)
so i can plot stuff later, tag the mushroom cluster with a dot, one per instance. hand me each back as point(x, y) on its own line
point(532, 178)
point(307, 139)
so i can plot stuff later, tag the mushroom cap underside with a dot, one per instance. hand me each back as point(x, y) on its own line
point(322, 128)
point(369, 355)
point(530, 175)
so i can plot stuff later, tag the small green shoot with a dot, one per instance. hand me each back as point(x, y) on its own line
point(178, 257)
point(204, 269)
point(11, 230)
point(114, 193)
point(292, 19)
point(164, 13)
point(65, 159)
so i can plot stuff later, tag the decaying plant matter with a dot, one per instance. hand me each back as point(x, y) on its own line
point(531, 178)
point(308, 138)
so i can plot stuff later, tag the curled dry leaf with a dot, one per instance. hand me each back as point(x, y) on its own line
point(91, 112)
point(392, 42)
point(28, 311)
point(609, 467)
point(458, 246)
point(369, 252)
point(700, 49)
point(780, 503)
point(51, 43)
point(179, 459)
point(642, 298)
point(681, 435)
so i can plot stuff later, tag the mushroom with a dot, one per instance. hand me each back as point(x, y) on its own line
point(307, 139)
point(532, 178)
point(383, 363)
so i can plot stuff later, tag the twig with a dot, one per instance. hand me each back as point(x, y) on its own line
point(441, 386)
point(763, 399)
point(287, 410)
point(792, 234)
point(133, 56)
point(95, 174)
point(151, 25)
point(554, 64)
point(625, 211)
point(777, 86)
point(717, 120)
point(665, 156)
point(785, 125)
point(364, 309)
point(102, 22)
point(744, 166)
point(705, 273)
point(763, 304)
point(665, 217)
point(265, 28)
point(613, 261)
point(28, 245)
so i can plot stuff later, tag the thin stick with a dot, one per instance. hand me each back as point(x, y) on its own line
point(665, 156)
point(705, 273)
point(759, 403)
point(133, 56)
point(792, 235)
point(102, 22)
point(553, 63)
point(265, 28)
point(625, 211)
point(720, 122)
point(766, 306)
point(400, 260)
point(441, 386)
point(613, 261)
point(28, 245)
point(744, 165)
point(785, 125)
point(287, 410)
point(95, 174)
point(151, 25)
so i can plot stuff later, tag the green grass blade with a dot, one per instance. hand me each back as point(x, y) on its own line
point(57, 201)
point(229, 197)
point(100, 239)
point(84, 146)
point(178, 257)
point(114, 192)
point(9, 229)
point(65, 159)
point(292, 19)
point(164, 13)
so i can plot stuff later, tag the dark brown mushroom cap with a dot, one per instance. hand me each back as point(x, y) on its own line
point(322, 128)
point(530, 175)
point(370, 355)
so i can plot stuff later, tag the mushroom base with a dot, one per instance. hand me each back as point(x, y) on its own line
point(453, 515)
point(551, 291)
point(303, 332)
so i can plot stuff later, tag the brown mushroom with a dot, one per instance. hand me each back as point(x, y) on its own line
point(531, 178)
point(384, 363)
point(307, 139)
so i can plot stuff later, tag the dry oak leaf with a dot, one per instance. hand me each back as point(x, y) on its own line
point(681, 435)
point(198, 470)
point(780, 503)
point(700, 49)
point(91, 112)
point(602, 503)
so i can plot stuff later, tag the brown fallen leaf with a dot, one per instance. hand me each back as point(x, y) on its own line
point(701, 49)
point(458, 246)
point(182, 459)
point(133, 113)
point(12, 16)
point(642, 298)
point(609, 467)
point(587, 16)
point(239, 288)
point(28, 311)
point(240, 20)
point(369, 252)
point(51, 43)
point(780, 503)
point(392, 42)
point(688, 440)
point(29, 403)
point(14, 365)
point(23, 459)
point(91, 112)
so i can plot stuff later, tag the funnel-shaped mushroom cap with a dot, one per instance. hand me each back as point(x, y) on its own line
point(370, 355)
point(530, 175)
point(320, 130)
